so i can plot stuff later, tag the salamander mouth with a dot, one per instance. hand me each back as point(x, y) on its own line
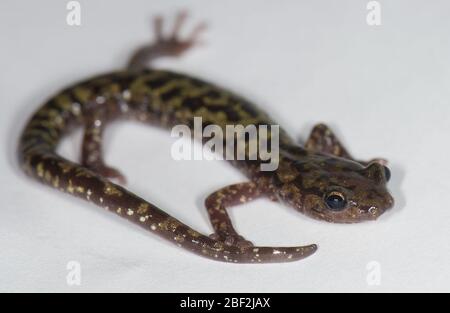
point(347, 216)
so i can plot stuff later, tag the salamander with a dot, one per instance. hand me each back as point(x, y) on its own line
point(320, 178)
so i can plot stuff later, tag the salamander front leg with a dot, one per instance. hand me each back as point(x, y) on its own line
point(217, 204)
point(323, 140)
point(170, 45)
point(92, 153)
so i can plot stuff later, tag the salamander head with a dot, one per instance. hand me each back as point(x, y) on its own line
point(335, 189)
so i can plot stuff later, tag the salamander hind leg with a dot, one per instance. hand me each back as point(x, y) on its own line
point(92, 152)
point(323, 140)
point(165, 45)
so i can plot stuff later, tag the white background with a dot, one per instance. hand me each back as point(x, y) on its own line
point(384, 90)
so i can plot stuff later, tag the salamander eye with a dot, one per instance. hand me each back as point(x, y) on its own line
point(335, 201)
point(387, 173)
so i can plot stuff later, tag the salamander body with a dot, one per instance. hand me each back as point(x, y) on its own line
point(319, 179)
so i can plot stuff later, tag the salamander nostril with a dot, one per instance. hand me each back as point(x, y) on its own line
point(390, 201)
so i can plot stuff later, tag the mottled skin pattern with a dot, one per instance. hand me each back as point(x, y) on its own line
point(307, 179)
